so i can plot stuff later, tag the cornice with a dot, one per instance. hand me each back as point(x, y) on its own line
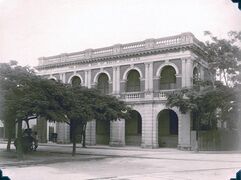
point(148, 47)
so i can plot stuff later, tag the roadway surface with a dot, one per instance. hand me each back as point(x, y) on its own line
point(126, 163)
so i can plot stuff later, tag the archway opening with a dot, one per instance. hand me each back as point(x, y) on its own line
point(133, 129)
point(167, 78)
point(103, 84)
point(75, 81)
point(102, 132)
point(167, 128)
point(133, 83)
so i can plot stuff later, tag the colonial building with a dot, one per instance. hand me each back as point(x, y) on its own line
point(141, 74)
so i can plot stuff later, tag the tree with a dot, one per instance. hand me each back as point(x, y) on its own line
point(206, 103)
point(224, 57)
point(209, 102)
point(27, 96)
point(88, 104)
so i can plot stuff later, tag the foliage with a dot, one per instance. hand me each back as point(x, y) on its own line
point(218, 100)
point(26, 96)
point(88, 104)
point(206, 102)
point(223, 56)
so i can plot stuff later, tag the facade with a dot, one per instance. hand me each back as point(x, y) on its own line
point(141, 74)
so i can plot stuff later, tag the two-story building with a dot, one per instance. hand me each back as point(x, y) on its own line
point(141, 74)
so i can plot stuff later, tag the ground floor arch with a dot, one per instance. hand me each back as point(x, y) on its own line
point(102, 132)
point(133, 129)
point(167, 128)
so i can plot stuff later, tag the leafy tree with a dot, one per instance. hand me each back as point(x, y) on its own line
point(224, 57)
point(206, 103)
point(209, 102)
point(27, 96)
point(88, 104)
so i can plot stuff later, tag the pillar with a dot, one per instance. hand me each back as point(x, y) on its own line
point(184, 131)
point(117, 133)
point(63, 132)
point(149, 127)
point(42, 130)
point(91, 133)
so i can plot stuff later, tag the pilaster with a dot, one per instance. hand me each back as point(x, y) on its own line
point(86, 79)
point(89, 79)
point(114, 80)
point(189, 72)
point(183, 72)
point(118, 79)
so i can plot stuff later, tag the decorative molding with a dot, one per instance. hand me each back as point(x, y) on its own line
point(73, 75)
point(132, 68)
point(152, 46)
point(100, 72)
point(166, 64)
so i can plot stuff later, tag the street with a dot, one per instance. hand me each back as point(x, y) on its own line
point(123, 163)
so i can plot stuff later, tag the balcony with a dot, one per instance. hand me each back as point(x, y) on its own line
point(145, 96)
point(132, 96)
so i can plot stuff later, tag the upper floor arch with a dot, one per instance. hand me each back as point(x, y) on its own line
point(129, 70)
point(159, 70)
point(133, 82)
point(96, 77)
point(75, 79)
point(103, 83)
point(52, 78)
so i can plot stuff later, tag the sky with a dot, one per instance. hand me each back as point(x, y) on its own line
point(30, 29)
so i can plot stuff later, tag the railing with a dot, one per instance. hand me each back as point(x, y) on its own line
point(182, 39)
point(163, 94)
point(133, 95)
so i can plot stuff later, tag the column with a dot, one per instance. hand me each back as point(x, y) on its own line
point(86, 79)
point(148, 80)
point(184, 131)
point(47, 135)
point(117, 133)
point(183, 72)
point(118, 80)
point(91, 133)
point(189, 72)
point(147, 77)
point(89, 79)
point(63, 78)
point(63, 132)
point(114, 81)
point(42, 130)
point(151, 76)
point(149, 127)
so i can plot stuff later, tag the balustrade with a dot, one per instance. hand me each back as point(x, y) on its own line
point(185, 38)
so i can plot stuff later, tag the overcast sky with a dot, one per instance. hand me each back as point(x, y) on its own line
point(33, 28)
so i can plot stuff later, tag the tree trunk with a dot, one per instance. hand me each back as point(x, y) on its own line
point(19, 142)
point(9, 143)
point(74, 140)
point(84, 134)
point(27, 124)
